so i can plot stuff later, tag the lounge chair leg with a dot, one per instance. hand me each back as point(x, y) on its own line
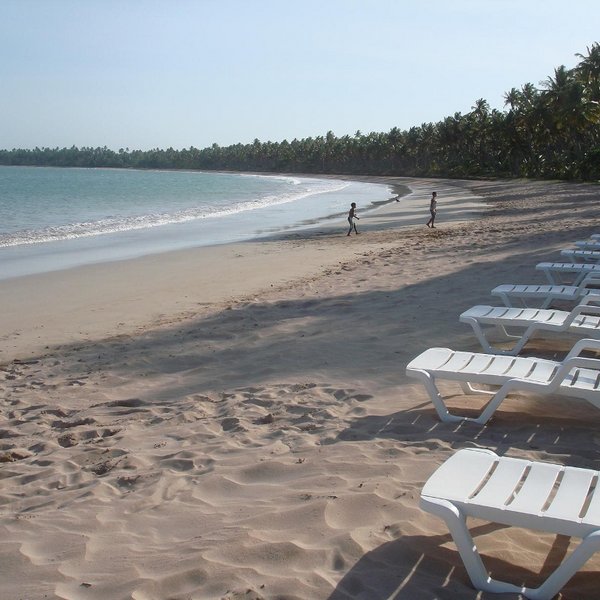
point(442, 409)
point(487, 347)
point(477, 572)
point(515, 349)
point(493, 404)
point(467, 548)
point(557, 580)
point(478, 331)
point(437, 400)
point(506, 300)
point(503, 331)
point(467, 388)
point(527, 335)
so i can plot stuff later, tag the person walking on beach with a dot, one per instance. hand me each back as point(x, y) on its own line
point(351, 216)
point(432, 210)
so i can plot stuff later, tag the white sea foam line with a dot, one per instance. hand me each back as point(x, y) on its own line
point(106, 226)
point(294, 180)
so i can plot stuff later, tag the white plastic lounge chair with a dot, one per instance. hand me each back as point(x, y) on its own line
point(545, 295)
point(575, 376)
point(583, 320)
point(579, 271)
point(586, 256)
point(588, 244)
point(511, 491)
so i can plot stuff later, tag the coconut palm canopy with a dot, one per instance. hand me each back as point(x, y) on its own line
point(550, 131)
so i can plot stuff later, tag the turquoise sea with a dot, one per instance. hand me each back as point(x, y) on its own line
point(56, 218)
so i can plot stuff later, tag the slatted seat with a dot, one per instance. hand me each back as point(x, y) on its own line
point(574, 377)
point(577, 271)
point(593, 244)
point(583, 320)
point(545, 295)
point(581, 255)
point(511, 491)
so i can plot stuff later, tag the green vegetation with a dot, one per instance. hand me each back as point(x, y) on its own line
point(548, 132)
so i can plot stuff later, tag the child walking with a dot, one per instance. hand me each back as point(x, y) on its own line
point(351, 216)
point(432, 210)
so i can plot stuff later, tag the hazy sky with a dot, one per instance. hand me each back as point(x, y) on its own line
point(159, 73)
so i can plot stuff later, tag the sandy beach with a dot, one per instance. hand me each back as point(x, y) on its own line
point(235, 422)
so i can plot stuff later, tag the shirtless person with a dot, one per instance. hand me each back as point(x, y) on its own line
point(432, 210)
point(351, 217)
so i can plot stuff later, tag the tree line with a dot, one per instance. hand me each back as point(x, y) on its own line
point(551, 131)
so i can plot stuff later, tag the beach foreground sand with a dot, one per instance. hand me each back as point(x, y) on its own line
point(236, 422)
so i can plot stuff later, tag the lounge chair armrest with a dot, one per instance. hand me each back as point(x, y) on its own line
point(590, 282)
point(527, 385)
point(585, 308)
point(571, 362)
point(590, 300)
point(568, 365)
point(580, 346)
point(577, 361)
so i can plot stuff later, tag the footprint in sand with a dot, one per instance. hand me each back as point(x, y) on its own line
point(231, 424)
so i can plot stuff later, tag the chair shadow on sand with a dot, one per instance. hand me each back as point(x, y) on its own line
point(523, 422)
point(404, 568)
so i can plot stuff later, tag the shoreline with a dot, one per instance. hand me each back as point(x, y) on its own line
point(120, 237)
point(262, 440)
point(120, 297)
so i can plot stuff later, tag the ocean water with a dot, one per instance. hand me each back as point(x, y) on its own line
point(56, 218)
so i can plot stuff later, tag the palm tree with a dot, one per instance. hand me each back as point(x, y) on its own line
point(512, 98)
point(565, 105)
point(588, 72)
point(478, 121)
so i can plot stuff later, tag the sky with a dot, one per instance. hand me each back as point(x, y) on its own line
point(143, 74)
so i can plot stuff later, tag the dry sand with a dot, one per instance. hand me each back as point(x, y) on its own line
point(236, 422)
